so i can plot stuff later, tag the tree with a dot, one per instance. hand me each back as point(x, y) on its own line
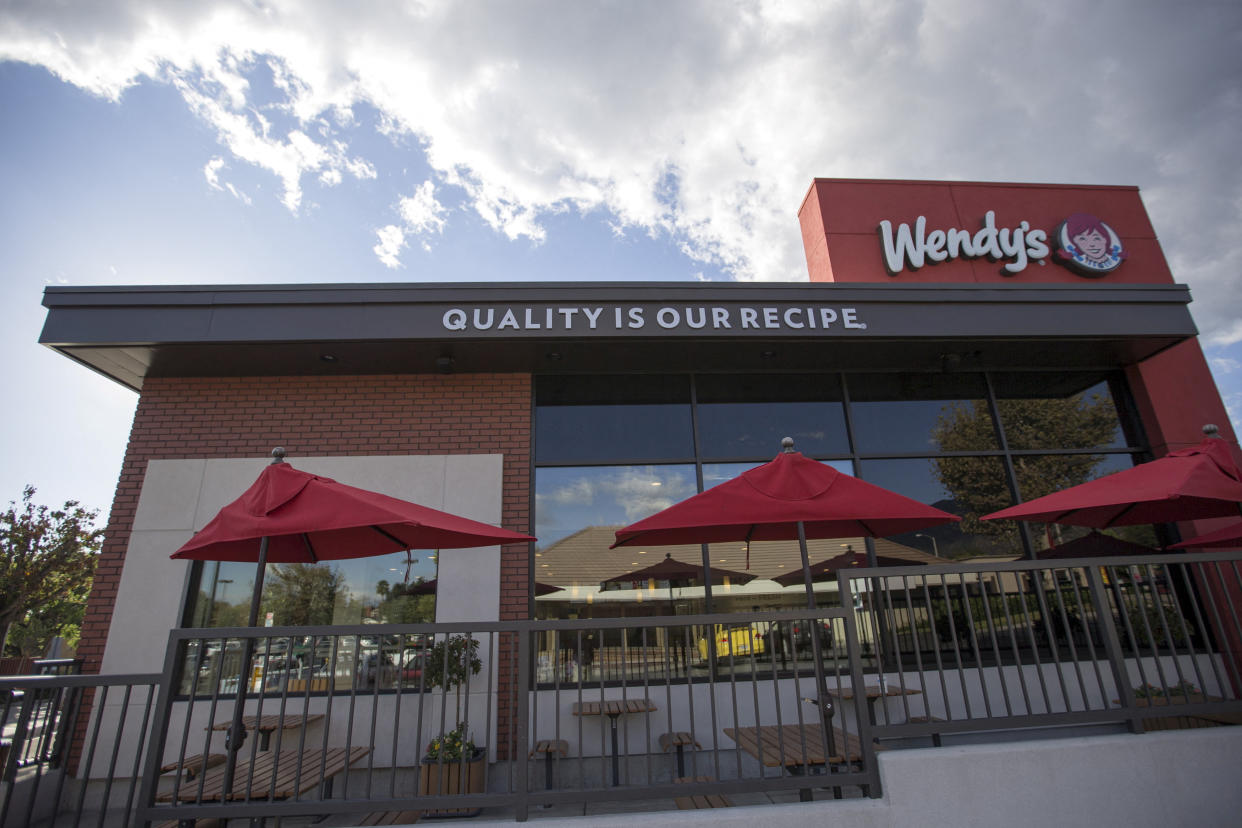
point(47, 565)
point(978, 484)
point(302, 595)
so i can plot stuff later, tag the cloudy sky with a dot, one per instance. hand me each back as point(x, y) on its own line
point(280, 141)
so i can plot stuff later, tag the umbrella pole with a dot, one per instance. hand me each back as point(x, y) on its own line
point(707, 610)
point(824, 702)
point(236, 733)
point(879, 589)
point(806, 567)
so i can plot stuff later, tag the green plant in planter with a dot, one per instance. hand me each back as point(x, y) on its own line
point(449, 664)
point(452, 746)
point(1150, 691)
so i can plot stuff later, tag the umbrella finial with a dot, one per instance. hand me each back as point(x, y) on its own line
point(1210, 430)
point(787, 445)
point(278, 455)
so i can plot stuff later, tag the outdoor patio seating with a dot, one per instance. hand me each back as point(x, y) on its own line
point(272, 775)
point(702, 801)
point(192, 766)
point(679, 740)
point(270, 723)
point(391, 818)
point(549, 749)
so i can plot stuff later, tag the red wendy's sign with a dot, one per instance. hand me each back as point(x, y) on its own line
point(925, 231)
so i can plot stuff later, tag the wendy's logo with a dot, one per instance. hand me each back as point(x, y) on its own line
point(1088, 246)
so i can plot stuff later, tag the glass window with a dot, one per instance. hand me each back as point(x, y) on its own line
point(578, 511)
point(920, 413)
point(602, 419)
point(1058, 411)
point(749, 415)
point(1043, 474)
point(383, 589)
point(965, 486)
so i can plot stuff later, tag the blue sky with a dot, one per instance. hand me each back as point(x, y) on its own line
point(273, 141)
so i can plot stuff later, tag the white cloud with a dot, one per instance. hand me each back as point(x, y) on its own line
point(1224, 365)
point(211, 171)
point(636, 492)
point(388, 248)
point(421, 215)
point(696, 121)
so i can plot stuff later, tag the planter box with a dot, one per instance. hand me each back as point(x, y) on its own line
point(435, 779)
point(1163, 701)
point(1175, 722)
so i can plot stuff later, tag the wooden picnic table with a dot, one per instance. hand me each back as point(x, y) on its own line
point(270, 723)
point(272, 775)
point(873, 693)
point(613, 709)
point(797, 748)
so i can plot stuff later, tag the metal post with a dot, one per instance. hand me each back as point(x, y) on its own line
point(236, 733)
point(521, 717)
point(1112, 645)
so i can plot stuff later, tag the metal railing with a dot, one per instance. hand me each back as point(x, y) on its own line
point(986, 647)
point(72, 747)
point(349, 716)
point(340, 721)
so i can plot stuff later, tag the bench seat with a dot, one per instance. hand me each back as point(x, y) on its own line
point(701, 801)
point(391, 818)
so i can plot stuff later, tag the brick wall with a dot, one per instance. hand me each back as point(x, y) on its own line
point(322, 416)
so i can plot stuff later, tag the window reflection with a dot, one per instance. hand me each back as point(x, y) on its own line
point(918, 413)
point(596, 419)
point(1058, 411)
point(965, 486)
point(1043, 474)
point(387, 589)
point(748, 415)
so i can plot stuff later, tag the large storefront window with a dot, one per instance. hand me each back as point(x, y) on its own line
point(933, 437)
point(962, 442)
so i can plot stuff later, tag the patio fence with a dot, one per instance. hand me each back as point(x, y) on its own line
point(1055, 643)
point(586, 711)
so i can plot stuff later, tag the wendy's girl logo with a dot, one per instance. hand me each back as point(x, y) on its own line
point(1088, 246)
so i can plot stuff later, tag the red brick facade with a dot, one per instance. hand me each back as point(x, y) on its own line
point(323, 416)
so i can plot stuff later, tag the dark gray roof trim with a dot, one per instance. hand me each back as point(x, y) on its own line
point(131, 332)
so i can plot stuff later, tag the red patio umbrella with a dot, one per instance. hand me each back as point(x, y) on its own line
point(292, 516)
point(827, 569)
point(1094, 545)
point(429, 588)
point(790, 497)
point(305, 518)
point(1227, 538)
point(1187, 484)
point(671, 569)
point(771, 501)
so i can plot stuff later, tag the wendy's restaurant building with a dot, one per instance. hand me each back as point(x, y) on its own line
point(967, 345)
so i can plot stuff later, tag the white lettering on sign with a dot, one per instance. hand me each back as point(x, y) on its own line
point(911, 248)
point(670, 317)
